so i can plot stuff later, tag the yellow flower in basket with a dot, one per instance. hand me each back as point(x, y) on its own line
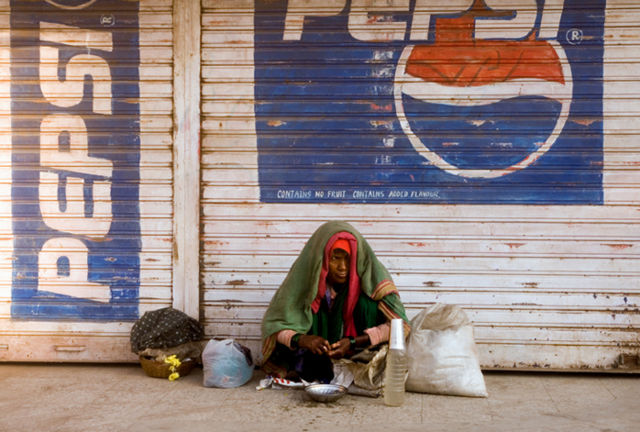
point(174, 364)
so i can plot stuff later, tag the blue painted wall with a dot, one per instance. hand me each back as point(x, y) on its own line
point(329, 129)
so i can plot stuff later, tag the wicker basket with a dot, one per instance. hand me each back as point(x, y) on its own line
point(157, 369)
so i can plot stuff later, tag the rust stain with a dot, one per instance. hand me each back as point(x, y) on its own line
point(101, 240)
point(417, 244)
point(386, 108)
point(275, 123)
point(627, 360)
point(585, 121)
point(530, 284)
point(236, 282)
point(617, 245)
point(515, 245)
point(375, 18)
point(431, 284)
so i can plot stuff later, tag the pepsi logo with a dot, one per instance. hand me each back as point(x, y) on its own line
point(465, 105)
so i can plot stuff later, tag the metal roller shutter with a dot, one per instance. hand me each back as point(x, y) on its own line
point(488, 152)
point(86, 155)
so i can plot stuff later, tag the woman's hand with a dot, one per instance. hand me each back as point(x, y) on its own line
point(316, 344)
point(340, 348)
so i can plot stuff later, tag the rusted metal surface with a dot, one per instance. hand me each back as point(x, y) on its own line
point(548, 286)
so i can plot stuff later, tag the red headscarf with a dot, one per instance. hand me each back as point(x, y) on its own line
point(347, 242)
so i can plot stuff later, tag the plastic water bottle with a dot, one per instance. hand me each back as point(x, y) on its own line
point(395, 372)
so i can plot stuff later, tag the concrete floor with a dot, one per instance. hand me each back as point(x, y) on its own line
point(67, 398)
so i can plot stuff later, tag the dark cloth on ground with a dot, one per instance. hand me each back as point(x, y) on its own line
point(164, 328)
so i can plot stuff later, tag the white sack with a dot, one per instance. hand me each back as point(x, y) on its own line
point(442, 353)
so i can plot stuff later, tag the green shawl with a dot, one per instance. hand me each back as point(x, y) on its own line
point(290, 307)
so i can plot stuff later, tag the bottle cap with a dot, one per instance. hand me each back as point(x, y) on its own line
point(396, 336)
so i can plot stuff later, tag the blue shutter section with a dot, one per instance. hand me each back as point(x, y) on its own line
point(88, 125)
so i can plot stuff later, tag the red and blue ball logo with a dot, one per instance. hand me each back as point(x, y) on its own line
point(482, 109)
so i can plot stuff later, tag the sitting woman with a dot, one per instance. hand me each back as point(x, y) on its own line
point(336, 298)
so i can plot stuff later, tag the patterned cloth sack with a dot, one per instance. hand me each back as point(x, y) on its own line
point(164, 328)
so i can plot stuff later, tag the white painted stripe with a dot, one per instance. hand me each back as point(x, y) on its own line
point(481, 95)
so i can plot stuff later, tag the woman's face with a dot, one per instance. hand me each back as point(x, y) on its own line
point(338, 267)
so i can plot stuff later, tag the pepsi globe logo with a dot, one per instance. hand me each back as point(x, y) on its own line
point(483, 109)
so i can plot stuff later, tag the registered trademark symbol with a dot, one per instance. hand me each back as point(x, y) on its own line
point(574, 36)
point(107, 20)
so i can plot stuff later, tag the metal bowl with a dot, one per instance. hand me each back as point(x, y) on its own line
point(325, 392)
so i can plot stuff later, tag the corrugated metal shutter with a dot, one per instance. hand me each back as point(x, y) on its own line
point(547, 264)
point(86, 189)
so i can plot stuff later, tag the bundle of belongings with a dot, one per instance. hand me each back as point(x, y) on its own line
point(442, 359)
point(168, 342)
point(442, 354)
point(226, 364)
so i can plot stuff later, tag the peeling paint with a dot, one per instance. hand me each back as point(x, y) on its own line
point(389, 141)
point(381, 123)
point(515, 245)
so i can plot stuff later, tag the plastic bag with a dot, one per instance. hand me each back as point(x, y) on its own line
point(363, 373)
point(442, 353)
point(226, 364)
